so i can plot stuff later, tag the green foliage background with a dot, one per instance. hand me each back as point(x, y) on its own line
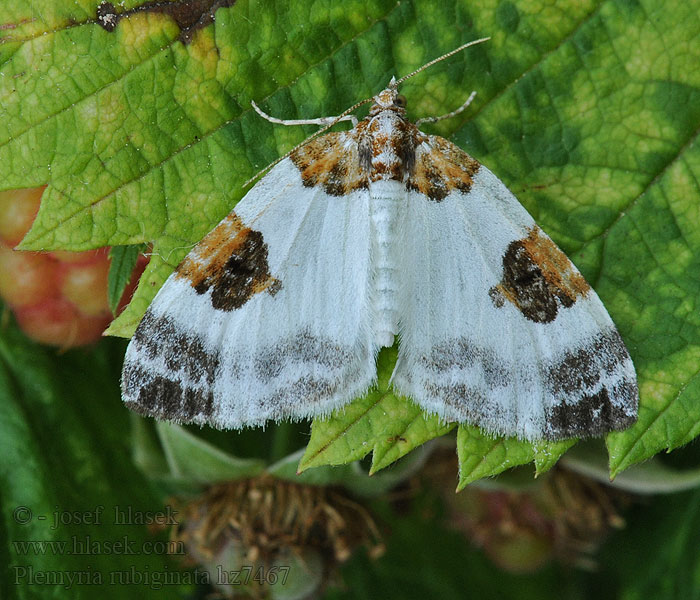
point(589, 111)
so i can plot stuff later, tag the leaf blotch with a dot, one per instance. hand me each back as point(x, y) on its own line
point(190, 15)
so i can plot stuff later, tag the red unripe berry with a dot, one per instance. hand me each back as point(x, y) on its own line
point(59, 298)
point(26, 277)
point(85, 285)
point(57, 322)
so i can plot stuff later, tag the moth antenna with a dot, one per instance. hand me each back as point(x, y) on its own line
point(335, 120)
point(317, 121)
point(440, 58)
point(448, 115)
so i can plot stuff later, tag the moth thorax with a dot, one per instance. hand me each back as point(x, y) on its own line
point(385, 203)
point(391, 147)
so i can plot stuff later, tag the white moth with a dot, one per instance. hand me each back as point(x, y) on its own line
point(360, 238)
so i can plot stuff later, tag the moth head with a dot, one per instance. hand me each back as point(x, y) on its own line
point(389, 99)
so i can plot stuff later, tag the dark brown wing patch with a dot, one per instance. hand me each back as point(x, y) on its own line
point(231, 261)
point(591, 404)
point(538, 278)
point(183, 392)
point(441, 168)
point(335, 161)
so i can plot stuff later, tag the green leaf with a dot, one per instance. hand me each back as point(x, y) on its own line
point(389, 425)
point(350, 476)
point(156, 272)
point(146, 450)
point(191, 458)
point(665, 539)
point(588, 110)
point(649, 477)
point(121, 266)
point(481, 455)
